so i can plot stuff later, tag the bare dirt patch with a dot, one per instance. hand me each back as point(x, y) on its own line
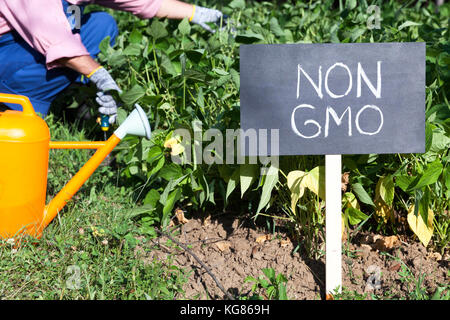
point(234, 249)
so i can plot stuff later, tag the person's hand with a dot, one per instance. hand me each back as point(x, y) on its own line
point(105, 84)
point(203, 15)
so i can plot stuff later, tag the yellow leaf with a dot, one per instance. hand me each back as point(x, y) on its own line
point(169, 143)
point(294, 179)
point(350, 201)
point(383, 210)
point(177, 149)
point(423, 231)
point(315, 181)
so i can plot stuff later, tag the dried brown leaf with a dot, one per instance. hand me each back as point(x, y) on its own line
point(344, 181)
point(436, 256)
point(395, 267)
point(179, 214)
point(262, 239)
point(206, 221)
point(223, 246)
point(285, 242)
point(386, 243)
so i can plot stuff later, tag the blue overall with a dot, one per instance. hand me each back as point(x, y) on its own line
point(23, 70)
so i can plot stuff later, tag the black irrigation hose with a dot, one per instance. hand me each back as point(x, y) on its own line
point(229, 296)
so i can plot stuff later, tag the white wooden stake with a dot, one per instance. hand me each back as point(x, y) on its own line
point(333, 224)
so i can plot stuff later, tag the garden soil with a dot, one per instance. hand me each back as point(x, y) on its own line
point(234, 249)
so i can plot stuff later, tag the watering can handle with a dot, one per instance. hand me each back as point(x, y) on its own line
point(16, 99)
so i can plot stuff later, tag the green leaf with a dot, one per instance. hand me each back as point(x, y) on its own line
point(385, 189)
point(225, 172)
point(428, 137)
point(133, 95)
point(171, 172)
point(133, 49)
point(169, 187)
point(204, 195)
point(282, 294)
point(134, 169)
point(135, 36)
point(270, 274)
point(154, 153)
point(121, 115)
point(403, 182)
point(248, 174)
point(145, 209)
point(275, 27)
point(152, 198)
point(158, 166)
point(220, 72)
point(356, 33)
point(447, 178)
point(355, 216)
point(271, 291)
point(350, 4)
point(237, 4)
point(424, 204)
point(157, 30)
point(264, 283)
point(167, 65)
point(429, 176)
point(105, 46)
point(270, 181)
point(249, 37)
point(232, 182)
point(408, 24)
point(184, 27)
point(440, 141)
point(173, 197)
point(250, 279)
point(117, 59)
point(362, 195)
point(195, 55)
point(235, 77)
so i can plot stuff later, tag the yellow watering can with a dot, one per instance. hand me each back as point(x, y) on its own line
point(24, 153)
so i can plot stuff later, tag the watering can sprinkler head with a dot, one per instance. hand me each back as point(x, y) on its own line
point(24, 144)
point(135, 124)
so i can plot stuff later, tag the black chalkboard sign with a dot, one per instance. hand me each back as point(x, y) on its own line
point(333, 98)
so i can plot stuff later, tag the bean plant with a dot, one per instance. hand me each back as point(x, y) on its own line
point(187, 77)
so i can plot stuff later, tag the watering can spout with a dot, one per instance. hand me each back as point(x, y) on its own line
point(135, 124)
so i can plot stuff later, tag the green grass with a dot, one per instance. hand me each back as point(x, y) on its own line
point(88, 251)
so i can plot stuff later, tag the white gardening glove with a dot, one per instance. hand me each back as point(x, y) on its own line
point(203, 15)
point(105, 83)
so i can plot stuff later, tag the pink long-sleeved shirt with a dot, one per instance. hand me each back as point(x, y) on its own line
point(44, 26)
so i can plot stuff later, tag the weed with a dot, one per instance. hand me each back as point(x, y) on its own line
point(271, 287)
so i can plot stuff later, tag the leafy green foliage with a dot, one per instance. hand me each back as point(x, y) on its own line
point(182, 75)
point(270, 286)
